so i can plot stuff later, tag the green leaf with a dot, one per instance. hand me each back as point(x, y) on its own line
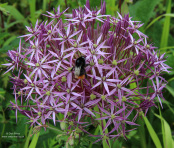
point(2, 93)
point(143, 10)
point(168, 143)
point(170, 62)
point(12, 24)
point(152, 133)
point(4, 35)
point(5, 79)
point(4, 11)
point(111, 8)
point(169, 105)
point(16, 14)
point(34, 140)
point(170, 89)
point(9, 40)
point(166, 27)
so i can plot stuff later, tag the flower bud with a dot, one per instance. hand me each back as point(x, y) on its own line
point(76, 135)
point(63, 125)
point(71, 140)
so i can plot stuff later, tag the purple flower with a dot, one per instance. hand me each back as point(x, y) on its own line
point(124, 73)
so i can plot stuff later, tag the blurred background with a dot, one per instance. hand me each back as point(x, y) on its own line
point(158, 19)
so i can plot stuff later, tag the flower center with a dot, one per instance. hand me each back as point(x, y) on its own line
point(104, 78)
point(100, 61)
point(136, 72)
point(37, 65)
point(71, 123)
point(39, 113)
point(112, 116)
point(148, 46)
point(119, 86)
point(48, 93)
point(123, 99)
point(92, 63)
point(114, 62)
point(92, 96)
point(49, 32)
point(33, 46)
point(103, 97)
point(32, 84)
point(105, 137)
point(69, 69)
point(95, 45)
point(63, 79)
point(25, 81)
point(93, 52)
point(75, 45)
point(68, 90)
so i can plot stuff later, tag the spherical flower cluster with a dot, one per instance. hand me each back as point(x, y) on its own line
point(123, 72)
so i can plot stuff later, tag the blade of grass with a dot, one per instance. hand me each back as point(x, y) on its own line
point(32, 4)
point(168, 141)
point(151, 119)
point(28, 138)
point(152, 133)
point(171, 79)
point(44, 5)
point(164, 48)
point(34, 140)
point(156, 19)
point(166, 27)
point(162, 127)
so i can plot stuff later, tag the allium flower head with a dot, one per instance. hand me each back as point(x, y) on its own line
point(124, 72)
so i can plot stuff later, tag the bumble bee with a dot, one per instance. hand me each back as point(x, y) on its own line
point(79, 69)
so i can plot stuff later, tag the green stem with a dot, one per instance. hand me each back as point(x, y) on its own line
point(32, 4)
point(105, 145)
point(3, 128)
point(95, 133)
point(142, 135)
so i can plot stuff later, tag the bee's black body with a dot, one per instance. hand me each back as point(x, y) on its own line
point(79, 68)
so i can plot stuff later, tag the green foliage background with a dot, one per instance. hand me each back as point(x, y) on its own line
point(157, 130)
